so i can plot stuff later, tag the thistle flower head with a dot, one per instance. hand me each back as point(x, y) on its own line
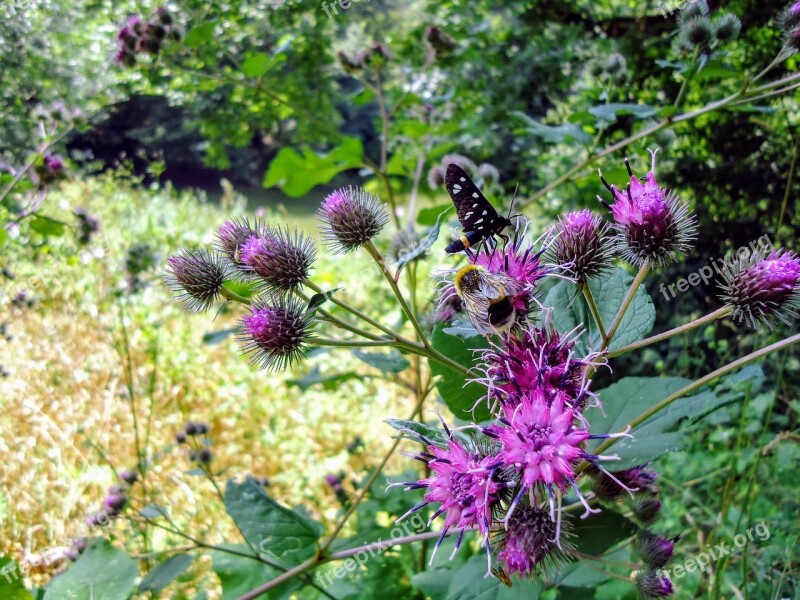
point(696, 8)
point(128, 476)
point(54, 163)
point(114, 503)
point(791, 17)
point(275, 332)
point(196, 275)
point(727, 28)
point(656, 551)
point(647, 510)
point(464, 482)
point(542, 359)
point(580, 242)
point(436, 177)
point(282, 259)
point(697, 32)
point(651, 222)
point(350, 218)
point(653, 584)
point(640, 479)
point(231, 237)
point(540, 440)
point(763, 289)
point(530, 541)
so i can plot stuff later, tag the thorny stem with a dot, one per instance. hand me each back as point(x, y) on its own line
point(626, 302)
point(590, 301)
point(720, 313)
point(741, 362)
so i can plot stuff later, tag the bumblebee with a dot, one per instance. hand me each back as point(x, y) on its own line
point(487, 298)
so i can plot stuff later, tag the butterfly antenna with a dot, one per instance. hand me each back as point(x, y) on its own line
point(513, 199)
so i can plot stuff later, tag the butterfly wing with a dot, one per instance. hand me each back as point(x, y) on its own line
point(474, 211)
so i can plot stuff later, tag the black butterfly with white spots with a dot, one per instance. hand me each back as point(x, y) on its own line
point(478, 218)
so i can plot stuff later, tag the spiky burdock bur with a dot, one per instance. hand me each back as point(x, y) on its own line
point(651, 222)
point(727, 28)
point(653, 584)
point(281, 258)
point(656, 551)
point(581, 244)
point(350, 218)
point(231, 237)
point(763, 289)
point(196, 276)
point(275, 333)
point(529, 542)
point(641, 479)
point(697, 32)
point(790, 23)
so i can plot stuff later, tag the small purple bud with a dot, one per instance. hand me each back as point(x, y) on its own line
point(274, 335)
point(581, 244)
point(115, 503)
point(653, 584)
point(350, 218)
point(647, 510)
point(128, 476)
point(180, 438)
point(656, 551)
point(197, 277)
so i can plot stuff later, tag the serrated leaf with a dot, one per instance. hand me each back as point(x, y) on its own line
point(165, 573)
point(425, 244)
point(217, 337)
point(268, 525)
point(392, 362)
point(609, 292)
point(102, 571)
point(459, 395)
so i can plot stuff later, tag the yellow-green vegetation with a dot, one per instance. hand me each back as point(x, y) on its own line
point(66, 421)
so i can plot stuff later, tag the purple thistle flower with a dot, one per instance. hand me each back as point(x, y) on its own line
point(651, 223)
point(274, 334)
point(763, 289)
point(530, 541)
point(128, 476)
point(539, 358)
point(656, 551)
point(115, 503)
point(653, 584)
point(350, 218)
point(54, 163)
point(197, 276)
point(231, 237)
point(580, 242)
point(641, 479)
point(281, 259)
point(518, 260)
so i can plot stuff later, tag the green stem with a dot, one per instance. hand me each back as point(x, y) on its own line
point(351, 343)
point(327, 316)
point(741, 362)
point(709, 318)
point(233, 296)
point(687, 80)
point(626, 302)
point(590, 301)
point(787, 191)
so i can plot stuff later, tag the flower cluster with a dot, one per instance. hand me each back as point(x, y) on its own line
point(194, 434)
point(138, 36)
point(698, 32)
point(115, 501)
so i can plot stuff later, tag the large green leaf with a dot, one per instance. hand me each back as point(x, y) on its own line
point(239, 575)
point(387, 362)
point(165, 573)
point(102, 571)
point(471, 583)
point(269, 526)
point(609, 292)
point(459, 395)
point(12, 586)
point(297, 173)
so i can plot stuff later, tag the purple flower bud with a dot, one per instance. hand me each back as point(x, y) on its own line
point(763, 289)
point(180, 438)
point(191, 428)
point(231, 237)
point(54, 163)
point(350, 218)
point(791, 17)
point(436, 177)
point(531, 540)
point(653, 584)
point(98, 519)
point(656, 551)
point(647, 510)
point(80, 545)
point(489, 173)
point(163, 15)
point(639, 479)
point(274, 334)
point(197, 277)
point(282, 259)
point(125, 58)
point(652, 223)
point(128, 476)
point(204, 456)
point(581, 244)
point(440, 41)
point(115, 503)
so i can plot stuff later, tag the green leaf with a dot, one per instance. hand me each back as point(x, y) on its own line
point(256, 64)
point(318, 300)
point(430, 216)
point(328, 382)
point(165, 573)
point(217, 337)
point(269, 526)
point(200, 35)
point(610, 112)
point(471, 583)
point(408, 428)
point(48, 227)
point(239, 575)
point(296, 174)
point(553, 133)
point(153, 511)
point(3, 236)
point(392, 362)
point(102, 571)
point(571, 311)
point(459, 395)
point(600, 531)
point(12, 584)
point(425, 244)
point(247, 289)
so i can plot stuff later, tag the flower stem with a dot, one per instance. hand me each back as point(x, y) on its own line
point(351, 343)
point(741, 362)
point(720, 313)
point(233, 296)
point(590, 301)
point(687, 80)
point(626, 302)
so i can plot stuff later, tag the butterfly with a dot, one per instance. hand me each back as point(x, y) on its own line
point(478, 218)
